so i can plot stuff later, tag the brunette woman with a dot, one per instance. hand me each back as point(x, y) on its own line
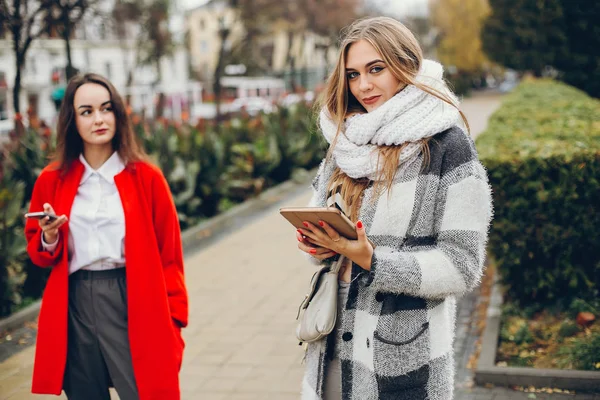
point(116, 300)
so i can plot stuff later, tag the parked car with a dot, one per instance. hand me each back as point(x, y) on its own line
point(252, 105)
point(291, 99)
point(294, 98)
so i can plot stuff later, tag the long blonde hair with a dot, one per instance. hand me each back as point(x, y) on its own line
point(402, 54)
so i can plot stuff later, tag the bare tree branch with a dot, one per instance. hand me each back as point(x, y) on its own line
point(21, 22)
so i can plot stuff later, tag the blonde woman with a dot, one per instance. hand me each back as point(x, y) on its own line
point(402, 167)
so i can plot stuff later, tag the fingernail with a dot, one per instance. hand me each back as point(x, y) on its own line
point(359, 225)
point(305, 224)
point(321, 223)
point(299, 231)
point(313, 251)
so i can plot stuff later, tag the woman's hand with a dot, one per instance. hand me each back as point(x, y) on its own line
point(319, 253)
point(50, 229)
point(360, 251)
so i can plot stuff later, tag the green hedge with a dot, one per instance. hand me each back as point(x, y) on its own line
point(542, 151)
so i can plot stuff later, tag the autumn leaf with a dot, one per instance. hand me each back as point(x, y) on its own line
point(460, 23)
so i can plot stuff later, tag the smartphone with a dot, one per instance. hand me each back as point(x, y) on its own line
point(334, 217)
point(41, 215)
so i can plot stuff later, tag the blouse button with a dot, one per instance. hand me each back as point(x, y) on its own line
point(347, 336)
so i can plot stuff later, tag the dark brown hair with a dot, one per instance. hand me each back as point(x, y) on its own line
point(69, 143)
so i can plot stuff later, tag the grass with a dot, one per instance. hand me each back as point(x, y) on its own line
point(549, 337)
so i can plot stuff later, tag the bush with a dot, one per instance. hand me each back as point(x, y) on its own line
point(542, 150)
point(208, 170)
point(547, 339)
point(585, 353)
point(22, 160)
point(12, 242)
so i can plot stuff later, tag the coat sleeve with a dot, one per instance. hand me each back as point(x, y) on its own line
point(315, 185)
point(451, 263)
point(33, 232)
point(168, 235)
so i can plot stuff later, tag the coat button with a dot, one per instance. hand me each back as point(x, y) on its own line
point(347, 336)
point(379, 297)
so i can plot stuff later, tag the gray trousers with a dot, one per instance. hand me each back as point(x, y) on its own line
point(333, 372)
point(98, 353)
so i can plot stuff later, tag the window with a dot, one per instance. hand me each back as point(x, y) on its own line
point(201, 23)
point(108, 70)
point(30, 66)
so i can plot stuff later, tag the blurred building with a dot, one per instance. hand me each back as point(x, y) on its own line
point(309, 53)
point(95, 47)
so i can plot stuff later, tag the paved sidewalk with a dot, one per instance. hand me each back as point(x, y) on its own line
point(244, 291)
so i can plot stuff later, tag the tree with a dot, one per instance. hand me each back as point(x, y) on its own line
point(64, 16)
point(224, 32)
point(426, 33)
point(154, 39)
point(579, 61)
point(24, 20)
point(459, 23)
point(328, 17)
point(254, 15)
point(533, 34)
point(124, 13)
point(297, 17)
point(262, 18)
point(525, 34)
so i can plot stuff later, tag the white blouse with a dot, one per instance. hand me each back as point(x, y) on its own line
point(97, 220)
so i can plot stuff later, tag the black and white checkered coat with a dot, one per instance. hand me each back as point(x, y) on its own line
point(399, 320)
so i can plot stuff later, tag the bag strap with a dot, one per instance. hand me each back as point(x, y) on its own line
point(335, 268)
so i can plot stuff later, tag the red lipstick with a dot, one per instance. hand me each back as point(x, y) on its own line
point(371, 100)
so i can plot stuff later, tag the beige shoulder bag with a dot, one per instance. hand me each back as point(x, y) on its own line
point(319, 307)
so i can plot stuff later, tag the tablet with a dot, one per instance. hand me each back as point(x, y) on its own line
point(334, 217)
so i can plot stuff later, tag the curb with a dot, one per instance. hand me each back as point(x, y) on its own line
point(208, 231)
point(205, 233)
point(488, 373)
point(17, 319)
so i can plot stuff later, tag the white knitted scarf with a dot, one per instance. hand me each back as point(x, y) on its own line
point(409, 116)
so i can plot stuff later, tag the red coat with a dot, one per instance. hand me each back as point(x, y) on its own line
point(156, 294)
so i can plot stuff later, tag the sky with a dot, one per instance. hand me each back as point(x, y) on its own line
point(397, 8)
